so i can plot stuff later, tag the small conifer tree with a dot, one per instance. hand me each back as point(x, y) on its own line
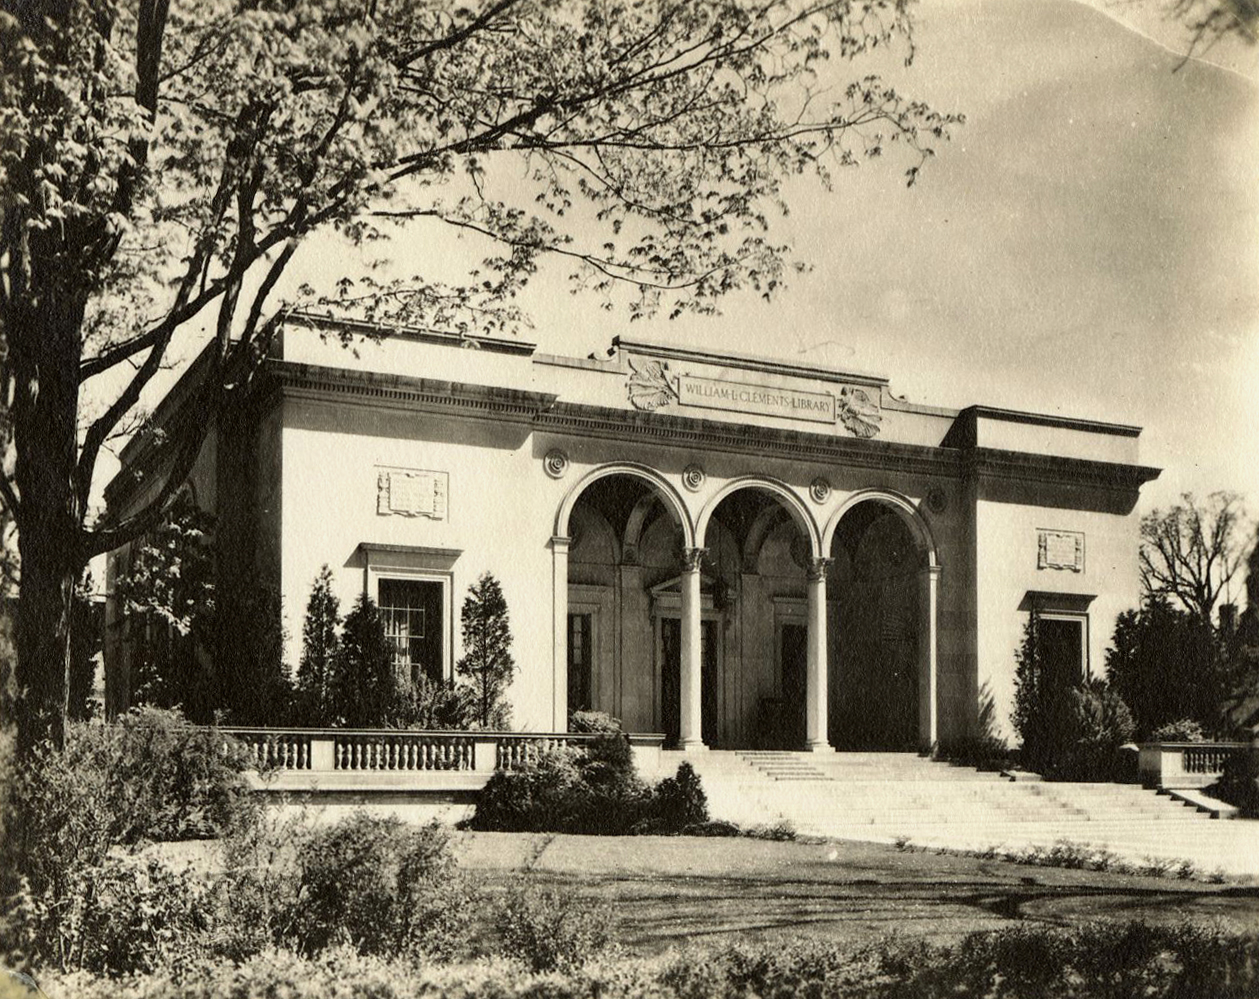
point(487, 662)
point(319, 650)
point(366, 688)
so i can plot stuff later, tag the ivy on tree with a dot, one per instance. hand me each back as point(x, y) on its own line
point(487, 662)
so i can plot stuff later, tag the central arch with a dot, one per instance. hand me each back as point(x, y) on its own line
point(761, 547)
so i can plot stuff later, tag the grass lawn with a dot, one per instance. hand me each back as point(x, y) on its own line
point(671, 890)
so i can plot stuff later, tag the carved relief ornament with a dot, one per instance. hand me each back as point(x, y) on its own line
point(652, 385)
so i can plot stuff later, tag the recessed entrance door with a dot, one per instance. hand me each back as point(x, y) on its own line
point(670, 650)
point(793, 649)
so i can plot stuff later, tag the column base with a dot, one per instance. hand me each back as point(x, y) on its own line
point(819, 747)
point(691, 746)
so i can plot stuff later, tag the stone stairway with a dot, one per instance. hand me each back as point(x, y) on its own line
point(892, 797)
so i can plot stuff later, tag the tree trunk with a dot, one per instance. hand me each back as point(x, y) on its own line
point(46, 345)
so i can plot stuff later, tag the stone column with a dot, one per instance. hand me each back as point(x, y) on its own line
point(690, 712)
point(817, 704)
point(559, 654)
point(928, 684)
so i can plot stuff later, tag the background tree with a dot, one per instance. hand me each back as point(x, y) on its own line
point(1211, 20)
point(1165, 665)
point(1190, 552)
point(645, 144)
point(487, 661)
point(320, 646)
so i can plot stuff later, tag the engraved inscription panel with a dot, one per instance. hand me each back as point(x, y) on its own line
point(1060, 550)
point(764, 400)
point(412, 492)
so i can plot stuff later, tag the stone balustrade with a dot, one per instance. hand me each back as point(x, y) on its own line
point(346, 752)
point(1175, 765)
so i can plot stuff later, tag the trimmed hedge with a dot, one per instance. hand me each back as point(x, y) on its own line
point(1098, 961)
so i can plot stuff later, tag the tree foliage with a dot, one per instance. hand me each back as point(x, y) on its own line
point(645, 143)
point(1191, 551)
point(1167, 666)
point(1210, 21)
point(487, 661)
point(166, 597)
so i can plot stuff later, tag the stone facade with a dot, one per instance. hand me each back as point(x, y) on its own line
point(734, 551)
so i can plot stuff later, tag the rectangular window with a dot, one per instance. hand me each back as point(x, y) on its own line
point(411, 612)
point(579, 662)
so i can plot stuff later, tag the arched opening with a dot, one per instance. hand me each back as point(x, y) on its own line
point(758, 547)
point(625, 539)
point(881, 670)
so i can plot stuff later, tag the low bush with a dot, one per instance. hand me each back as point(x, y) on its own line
point(551, 930)
point(1095, 961)
point(1181, 730)
point(380, 886)
point(1239, 783)
point(1095, 724)
point(127, 914)
point(149, 776)
point(591, 789)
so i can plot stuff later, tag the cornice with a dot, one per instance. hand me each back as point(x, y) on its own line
point(689, 433)
point(1044, 468)
point(711, 435)
point(293, 380)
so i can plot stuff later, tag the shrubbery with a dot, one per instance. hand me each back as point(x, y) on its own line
point(381, 886)
point(550, 930)
point(593, 789)
point(1097, 961)
point(1068, 731)
point(1181, 730)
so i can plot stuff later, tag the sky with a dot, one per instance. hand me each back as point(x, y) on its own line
point(1087, 244)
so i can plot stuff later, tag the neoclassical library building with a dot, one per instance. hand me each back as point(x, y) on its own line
point(734, 551)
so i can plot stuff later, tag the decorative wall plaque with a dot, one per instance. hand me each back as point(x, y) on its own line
point(652, 385)
point(819, 490)
point(937, 500)
point(555, 463)
point(693, 478)
point(1060, 550)
point(409, 492)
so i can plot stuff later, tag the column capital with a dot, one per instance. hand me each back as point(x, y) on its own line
point(817, 568)
point(932, 571)
point(691, 558)
point(560, 544)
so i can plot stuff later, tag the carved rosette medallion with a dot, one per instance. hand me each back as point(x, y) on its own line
point(817, 568)
point(555, 463)
point(937, 500)
point(819, 490)
point(693, 478)
point(692, 557)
